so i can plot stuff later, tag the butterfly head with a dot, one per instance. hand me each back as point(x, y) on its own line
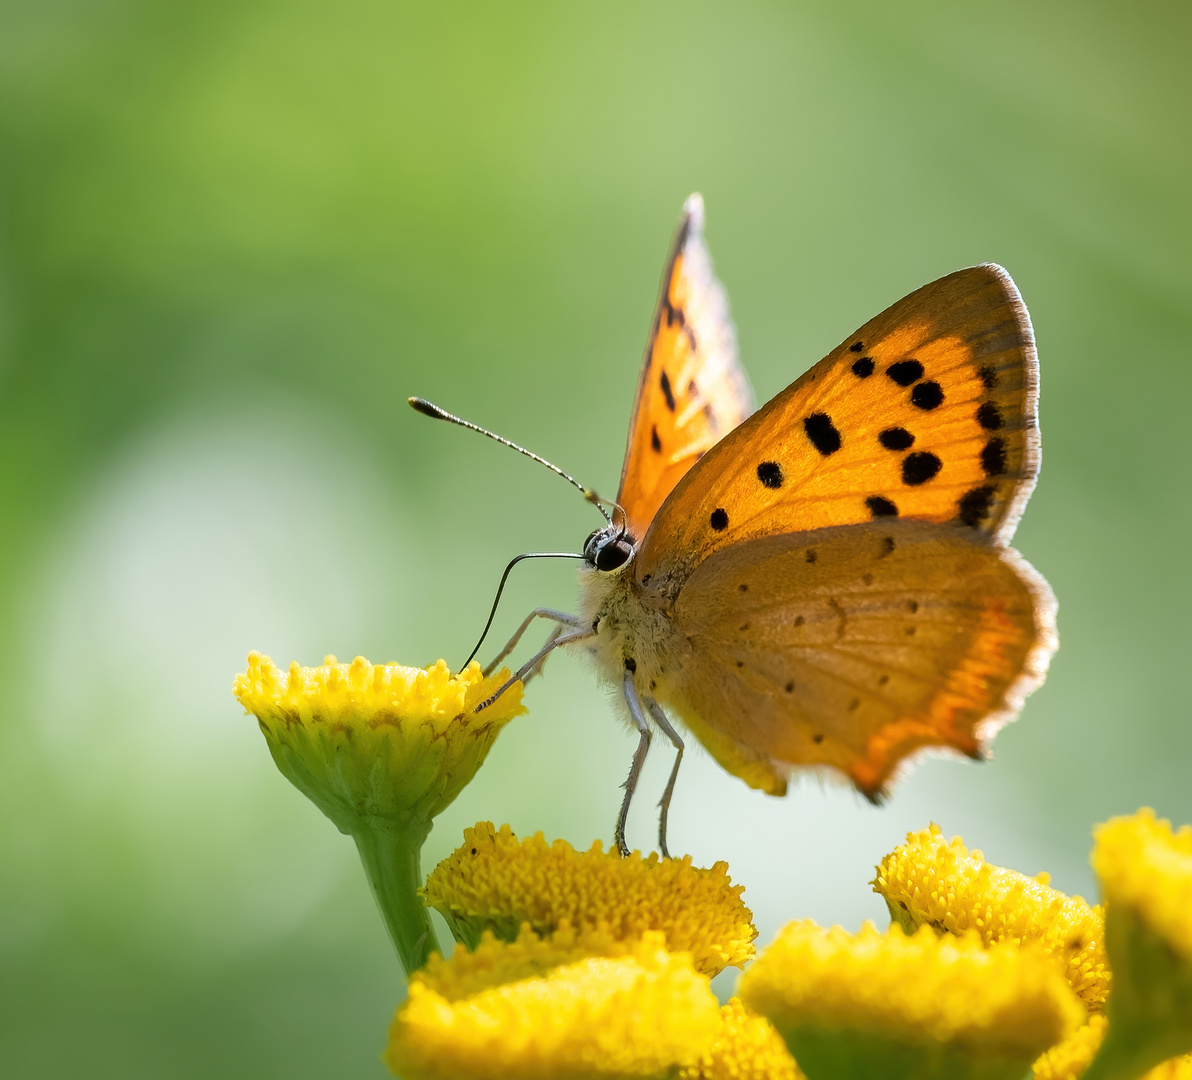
point(609, 548)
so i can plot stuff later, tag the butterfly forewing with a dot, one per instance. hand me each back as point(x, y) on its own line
point(691, 391)
point(855, 647)
point(926, 413)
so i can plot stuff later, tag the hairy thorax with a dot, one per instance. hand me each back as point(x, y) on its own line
point(633, 631)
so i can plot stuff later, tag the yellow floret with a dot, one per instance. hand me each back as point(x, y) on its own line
point(384, 740)
point(1069, 1059)
point(747, 1047)
point(930, 881)
point(1145, 865)
point(497, 882)
point(533, 1009)
point(923, 989)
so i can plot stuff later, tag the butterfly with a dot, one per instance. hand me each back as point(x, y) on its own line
point(827, 582)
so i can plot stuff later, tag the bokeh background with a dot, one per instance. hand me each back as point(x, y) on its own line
point(234, 236)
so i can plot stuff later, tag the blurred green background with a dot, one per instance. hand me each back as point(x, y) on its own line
point(235, 236)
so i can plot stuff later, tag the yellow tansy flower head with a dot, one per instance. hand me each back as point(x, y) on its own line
point(1145, 869)
point(571, 1006)
point(930, 881)
point(381, 741)
point(1146, 866)
point(1069, 1060)
point(494, 881)
point(747, 1047)
point(922, 1006)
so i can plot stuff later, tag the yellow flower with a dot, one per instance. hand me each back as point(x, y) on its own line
point(747, 1047)
point(1146, 866)
point(380, 750)
point(376, 741)
point(497, 882)
point(1069, 1060)
point(930, 881)
point(922, 1006)
point(1146, 876)
point(568, 1006)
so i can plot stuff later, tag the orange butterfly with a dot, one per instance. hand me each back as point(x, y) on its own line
point(826, 582)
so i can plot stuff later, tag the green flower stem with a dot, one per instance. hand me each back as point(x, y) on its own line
point(391, 852)
point(1150, 1005)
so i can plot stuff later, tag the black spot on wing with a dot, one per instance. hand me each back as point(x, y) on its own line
point(880, 507)
point(920, 467)
point(927, 395)
point(974, 505)
point(667, 392)
point(896, 438)
point(905, 372)
point(719, 519)
point(770, 474)
point(822, 433)
point(857, 346)
point(863, 368)
point(677, 316)
point(990, 417)
point(655, 442)
point(993, 457)
point(987, 376)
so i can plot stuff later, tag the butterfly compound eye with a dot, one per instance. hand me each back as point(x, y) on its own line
point(613, 554)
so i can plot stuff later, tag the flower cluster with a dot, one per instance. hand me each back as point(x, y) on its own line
point(495, 881)
point(585, 964)
point(930, 881)
point(1129, 961)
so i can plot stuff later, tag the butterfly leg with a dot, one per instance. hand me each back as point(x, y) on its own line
point(535, 661)
point(660, 719)
point(560, 617)
point(639, 759)
point(552, 637)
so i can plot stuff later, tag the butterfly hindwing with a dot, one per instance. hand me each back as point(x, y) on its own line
point(691, 391)
point(856, 646)
point(927, 413)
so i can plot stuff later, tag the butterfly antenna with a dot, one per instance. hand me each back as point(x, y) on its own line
point(501, 588)
point(428, 408)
